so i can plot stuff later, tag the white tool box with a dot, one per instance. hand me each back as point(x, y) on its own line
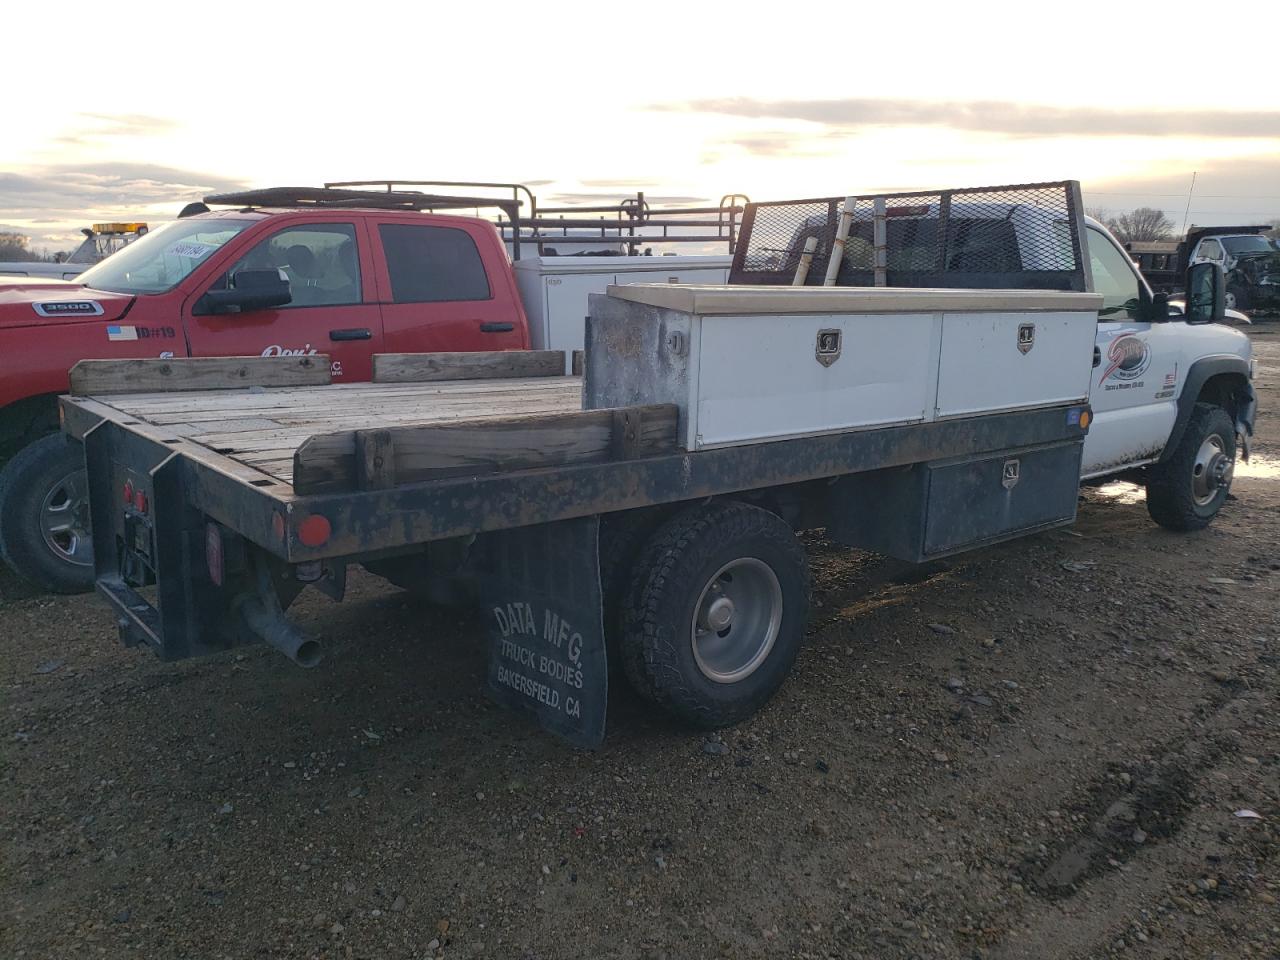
point(756, 363)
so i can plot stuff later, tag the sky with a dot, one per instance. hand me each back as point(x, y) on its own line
point(128, 110)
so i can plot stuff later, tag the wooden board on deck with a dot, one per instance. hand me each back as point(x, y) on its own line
point(113, 377)
point(502, 364)
point(263, 428)
point(384, 457)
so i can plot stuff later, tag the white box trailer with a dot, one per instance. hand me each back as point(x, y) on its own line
point(554, 290)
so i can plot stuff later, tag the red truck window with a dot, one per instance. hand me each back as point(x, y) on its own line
point(432, 264)
point(319, 258)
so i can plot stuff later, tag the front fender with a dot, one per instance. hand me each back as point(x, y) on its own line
point(1201, 372)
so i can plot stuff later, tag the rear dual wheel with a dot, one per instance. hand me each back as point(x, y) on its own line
point(715, 612)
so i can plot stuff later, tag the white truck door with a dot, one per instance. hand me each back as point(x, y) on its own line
point(1135, 374)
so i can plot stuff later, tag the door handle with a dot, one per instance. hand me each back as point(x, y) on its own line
point(1097, 355)
point(497, 327)
point(352, 333)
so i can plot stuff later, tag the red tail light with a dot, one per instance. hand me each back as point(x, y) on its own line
point(128, 492)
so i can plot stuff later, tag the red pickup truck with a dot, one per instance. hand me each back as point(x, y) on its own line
point(254, 281)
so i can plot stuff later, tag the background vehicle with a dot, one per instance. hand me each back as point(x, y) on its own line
point(100, 241)
point(390, 276)
point(1250, 261)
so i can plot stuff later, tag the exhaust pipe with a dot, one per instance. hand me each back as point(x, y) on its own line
point(262, 614)
point(274, 627)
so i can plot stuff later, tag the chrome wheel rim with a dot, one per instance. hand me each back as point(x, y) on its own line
point(1212, 470)
point(736, 620)
point(64, 519)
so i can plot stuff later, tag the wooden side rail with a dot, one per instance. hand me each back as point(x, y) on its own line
point(105, 377)
point(504, 364)
point(381, 458)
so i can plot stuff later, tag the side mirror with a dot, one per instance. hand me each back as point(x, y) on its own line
point(1206, 294)
point(251, 290)
point(1152, 308)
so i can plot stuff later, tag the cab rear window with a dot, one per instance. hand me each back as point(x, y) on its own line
point(432, 264)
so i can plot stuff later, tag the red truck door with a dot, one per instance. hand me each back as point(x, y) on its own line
point(334, 308)
point(446, 285)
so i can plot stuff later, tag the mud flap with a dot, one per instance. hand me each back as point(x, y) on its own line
point(542, 607)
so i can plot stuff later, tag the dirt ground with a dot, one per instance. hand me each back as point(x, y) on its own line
point(1041, 750)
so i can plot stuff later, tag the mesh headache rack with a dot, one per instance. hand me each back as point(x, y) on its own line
point(1019, 236)
point(626, 226)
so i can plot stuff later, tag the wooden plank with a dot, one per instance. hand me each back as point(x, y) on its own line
point(579, 362)
point(269, 403)
point(246, 425)
point(351, 391)
point(228, 466)
point(106, 377)
point(292, 435)
point(375, 460)
point(329, 462)
point(425, 367)
point(627, 427)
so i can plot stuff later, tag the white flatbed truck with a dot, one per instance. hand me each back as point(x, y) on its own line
point(644, 513)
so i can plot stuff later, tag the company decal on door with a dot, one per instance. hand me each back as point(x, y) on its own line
point(306, 350)
point(1127, 360)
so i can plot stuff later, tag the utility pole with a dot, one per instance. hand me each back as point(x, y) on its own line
point(1186, 213)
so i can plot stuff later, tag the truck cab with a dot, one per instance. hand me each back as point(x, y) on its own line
point(1146, 361)
point(270, 276)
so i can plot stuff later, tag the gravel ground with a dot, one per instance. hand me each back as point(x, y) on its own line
point(1039, 750)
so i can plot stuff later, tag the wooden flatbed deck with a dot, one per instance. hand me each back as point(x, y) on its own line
point(263, 427)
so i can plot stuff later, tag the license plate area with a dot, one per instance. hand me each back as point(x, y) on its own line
point(135, 525)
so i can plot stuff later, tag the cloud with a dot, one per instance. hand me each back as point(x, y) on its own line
point(778, 143)
point(587, 199)
point(1240, 190)
point(993, 116)
point(72, 191)
point(617, 184)
point(132, 123)
point(74, 195)
point(94, 126)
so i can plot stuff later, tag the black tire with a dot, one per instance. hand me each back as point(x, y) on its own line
point(33, 475)
point(622, 539)
point(679, 569)
point(1186, 491)
point(1239, 297)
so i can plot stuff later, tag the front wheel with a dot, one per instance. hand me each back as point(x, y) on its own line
point(44, 515)
point(716, 613)
point(1237, 298)
point(1187, 490)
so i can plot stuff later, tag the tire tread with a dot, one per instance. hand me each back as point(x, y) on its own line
point(650, 656)
point(1170, 502)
